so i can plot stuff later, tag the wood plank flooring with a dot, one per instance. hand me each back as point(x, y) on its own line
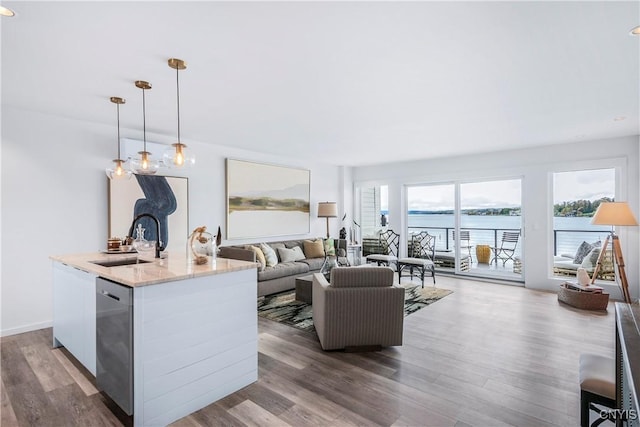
point(486, 355)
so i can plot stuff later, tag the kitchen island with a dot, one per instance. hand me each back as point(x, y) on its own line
point(194, 327)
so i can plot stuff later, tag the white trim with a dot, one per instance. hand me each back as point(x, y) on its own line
point(26, 328)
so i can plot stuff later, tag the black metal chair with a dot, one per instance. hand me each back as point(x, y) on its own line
point(422, 251)
point(389, 242)
point(507, 249)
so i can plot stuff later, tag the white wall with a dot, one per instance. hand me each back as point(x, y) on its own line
point(535, 166)
point(54, 201)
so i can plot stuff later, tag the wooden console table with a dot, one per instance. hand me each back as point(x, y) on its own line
point(627, 364)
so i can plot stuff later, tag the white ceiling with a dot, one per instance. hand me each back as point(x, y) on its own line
point(350, 83)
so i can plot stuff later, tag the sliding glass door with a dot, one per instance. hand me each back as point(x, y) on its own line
point(477, 225)
point(490, 240)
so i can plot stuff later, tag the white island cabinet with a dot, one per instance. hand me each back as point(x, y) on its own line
point(195, 333)
point(74, 313)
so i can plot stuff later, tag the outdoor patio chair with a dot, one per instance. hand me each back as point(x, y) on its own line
point(507, 249)
point(389, 242)
point(421, 257)
point(465, 241)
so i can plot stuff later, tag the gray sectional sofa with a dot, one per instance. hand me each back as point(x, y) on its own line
point(282, 276)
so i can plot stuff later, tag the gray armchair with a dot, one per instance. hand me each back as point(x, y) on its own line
point(361, 307)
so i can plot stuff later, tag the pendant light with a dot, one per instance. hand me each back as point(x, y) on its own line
point(118, 172)
point(144, 165)
point(178, 156)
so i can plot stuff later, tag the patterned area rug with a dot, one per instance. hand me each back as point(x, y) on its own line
point(284, 308)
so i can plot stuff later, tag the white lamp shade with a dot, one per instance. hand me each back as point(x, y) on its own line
point(614, 213)
point(327, 210)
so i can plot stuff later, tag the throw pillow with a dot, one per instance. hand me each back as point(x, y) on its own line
point(583, 251)
point(287, 255)
point(329, 248)
point(259, 255)
point(589, 262)
point(313, 248)
point(298, 252)
point(269, 255)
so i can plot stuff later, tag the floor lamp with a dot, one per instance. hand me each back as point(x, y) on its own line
point(614, 213)
point(327, 210)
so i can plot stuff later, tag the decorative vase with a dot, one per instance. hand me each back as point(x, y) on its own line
point(200, 246)
point(145, 248)
point(583, 277)
point(330, 262)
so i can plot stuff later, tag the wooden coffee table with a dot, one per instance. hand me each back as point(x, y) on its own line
point(304, 288)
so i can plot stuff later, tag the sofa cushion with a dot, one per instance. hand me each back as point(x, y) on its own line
point(565, 264)
point(292, 244)
point(583, 251)
point(269, 255)
point(259, 255)
point(313, 263)
point(282, 270)
point(313, 248)
point(293, 254)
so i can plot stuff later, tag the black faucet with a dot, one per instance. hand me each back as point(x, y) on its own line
point(158, 247)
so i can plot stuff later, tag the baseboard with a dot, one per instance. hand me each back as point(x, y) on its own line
point(26, 328)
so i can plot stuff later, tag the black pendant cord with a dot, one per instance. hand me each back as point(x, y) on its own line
point(118, 108)
point(144, 122)
point(178, 98)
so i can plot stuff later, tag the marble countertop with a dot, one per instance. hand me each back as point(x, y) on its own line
point(173, 267)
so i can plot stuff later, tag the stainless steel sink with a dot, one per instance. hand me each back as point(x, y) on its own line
point(119, 262)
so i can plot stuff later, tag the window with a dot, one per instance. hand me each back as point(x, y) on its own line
point(576, 242)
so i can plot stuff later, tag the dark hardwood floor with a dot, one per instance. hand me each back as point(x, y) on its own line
point(486, 355)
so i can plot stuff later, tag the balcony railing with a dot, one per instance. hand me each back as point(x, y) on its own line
point(477, 236)
point(564, 241)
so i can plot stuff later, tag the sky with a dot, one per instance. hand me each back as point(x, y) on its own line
point(567, 186)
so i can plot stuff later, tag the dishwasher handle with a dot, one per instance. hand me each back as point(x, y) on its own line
point(107, 294)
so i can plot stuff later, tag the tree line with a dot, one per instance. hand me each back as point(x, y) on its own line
point(578, 207)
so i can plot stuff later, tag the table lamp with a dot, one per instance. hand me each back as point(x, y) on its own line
point(614, 213)
point(327, 210)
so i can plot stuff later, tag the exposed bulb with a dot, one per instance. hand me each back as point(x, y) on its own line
point(118, 172)
point(178, 159)
point(144, 165)
point(178, 156)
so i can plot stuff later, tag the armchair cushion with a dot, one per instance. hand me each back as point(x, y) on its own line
point(358, 277)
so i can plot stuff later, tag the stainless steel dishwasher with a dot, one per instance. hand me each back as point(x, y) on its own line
point(114, 342)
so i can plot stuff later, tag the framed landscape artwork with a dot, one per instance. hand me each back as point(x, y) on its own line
point(165, 197)
point(266, 200)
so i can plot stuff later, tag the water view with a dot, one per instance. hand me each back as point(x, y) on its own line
point(487, 229)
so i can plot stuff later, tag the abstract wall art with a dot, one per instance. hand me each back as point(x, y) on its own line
point(266, 200)
point(165, 197)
